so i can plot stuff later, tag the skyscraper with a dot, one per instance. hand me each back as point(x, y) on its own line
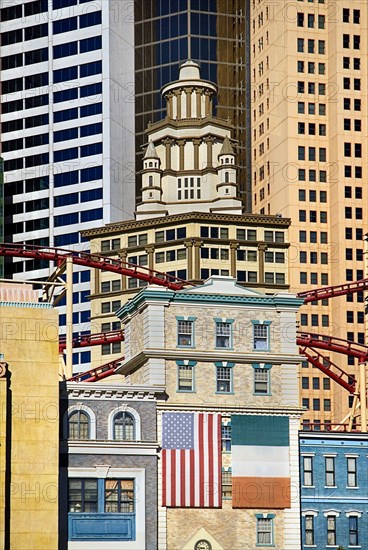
point(67, 126)
point(309, 136)
point(213, 33)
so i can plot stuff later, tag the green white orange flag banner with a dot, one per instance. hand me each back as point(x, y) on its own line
point(260, 461)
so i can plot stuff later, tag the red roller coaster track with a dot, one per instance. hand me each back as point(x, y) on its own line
point(59, 255)
point(308, 342)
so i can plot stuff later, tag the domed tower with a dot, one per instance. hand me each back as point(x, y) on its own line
point(151, 175)
point(226, 171)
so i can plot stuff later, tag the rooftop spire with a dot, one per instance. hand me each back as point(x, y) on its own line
point(151, 152)
point(226, 148)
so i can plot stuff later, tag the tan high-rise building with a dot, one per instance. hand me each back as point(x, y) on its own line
point(309, 136)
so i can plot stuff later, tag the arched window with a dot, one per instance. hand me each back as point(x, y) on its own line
point(124, 427)
point(226, 177)
point(227, 161)
point(78, 425)
point(150, 181)
point(150, 164)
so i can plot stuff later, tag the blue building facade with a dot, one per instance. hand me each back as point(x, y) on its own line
point(334, 490)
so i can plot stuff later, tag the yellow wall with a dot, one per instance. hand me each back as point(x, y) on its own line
point(29, 343)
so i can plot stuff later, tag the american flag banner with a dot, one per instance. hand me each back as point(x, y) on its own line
point(191, 460)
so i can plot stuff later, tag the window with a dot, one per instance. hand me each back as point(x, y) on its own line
point(226, 438)
point(223, 379)
point(331, 530)
point(123, 427)
point(119, 496)
point(307, 471)
point(261, 381)
point(300, 45)
point(260, 336)
point(264, 531)
point(330, 471)
point(185, 377)
point(223, 334)
point(78, 425)
point(353, 531)
point(309, 530)
point(185, 333)
point(82, 495)
point(352, 472)
point(226, 484)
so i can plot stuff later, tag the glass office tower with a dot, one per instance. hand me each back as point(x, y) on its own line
point(67, 127)
point(211, 32)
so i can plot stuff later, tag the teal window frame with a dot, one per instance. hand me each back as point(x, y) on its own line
point(266, 367)
point(224, 365)
point(188, 364)
point(259, 518)
point(178, 333)
point(266, 324)
point(218, 322)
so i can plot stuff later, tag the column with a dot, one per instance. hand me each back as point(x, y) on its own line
point(189, 246)
point(150, 251)
point(233, 248)
point(197, 243)
point(196, 144)
point(169, 105)
point(208, 103)
point(167, 142)
point(181, 143)
point(198, 103)
point(188, 92)
point(261, 261)
point(178, 104)
point(209, 140)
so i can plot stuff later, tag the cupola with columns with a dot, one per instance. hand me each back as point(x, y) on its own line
point(189, 163)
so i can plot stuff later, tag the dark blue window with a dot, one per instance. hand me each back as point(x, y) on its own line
point(38, 6)
point(13, 85)
point(66, 154)
point(64, 240)
point(89, 19)
point(66, 178)
point(64, 50)
point(89, 69)
point(36, 56)
point(85, 356)
point(69, 73)
point(65, 25)
point(63, 135)
point(62, 317)
point(91, 89)
point(36, 80)
point(58, 4)
point(67, 114)
point(37, 120)
point(36, 160)
point(66, 95)
point(91, 129)
point(90, 215)
point(12, 12)
point(36, 101)
point(91, 149)
point(11, 106)
point(37, 31)
point(85, 276)
point(66, 219)
point(85, 316)
point(65, 200)
point(91, 195)
point(90, 44)
point(91, 174)
point(90, 110)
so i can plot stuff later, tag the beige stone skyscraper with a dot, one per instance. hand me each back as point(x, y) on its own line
point(309, 139)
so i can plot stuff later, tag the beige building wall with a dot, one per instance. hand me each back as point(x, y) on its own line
point(315, 174)
point(29, 344)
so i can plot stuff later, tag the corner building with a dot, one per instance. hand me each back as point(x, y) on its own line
point(227, 358)
point(309, 112)
point(190, 222)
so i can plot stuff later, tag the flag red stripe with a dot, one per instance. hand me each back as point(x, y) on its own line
point(173, 479)
point(210, 487)
point(192, 481)
point(219, 473)
point(164, 473)
point(201, 458)
point(182, 478)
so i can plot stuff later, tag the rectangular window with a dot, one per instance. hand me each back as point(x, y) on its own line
point(185, 378)
point(82, 495)
point(185, 333)
point(353, 531)
point(119, 496)
point(309, 530)
point(307, 471)
point(226, 485)
point(330, 471)
point(260, 337)
point(264, 531)
point(223, 335)
point(331, 530)
point(223, 379)
point(352, 472)
point(226, 438)
point(261, 381)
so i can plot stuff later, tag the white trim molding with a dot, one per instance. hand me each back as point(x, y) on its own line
point(83, 408)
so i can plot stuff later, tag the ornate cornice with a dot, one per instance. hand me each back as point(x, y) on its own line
point(80, 390)
point(240, 219)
